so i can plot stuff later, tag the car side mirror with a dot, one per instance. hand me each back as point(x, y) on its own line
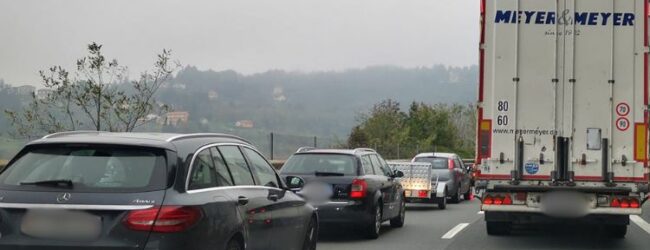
point(295, 183)
point(399, 174)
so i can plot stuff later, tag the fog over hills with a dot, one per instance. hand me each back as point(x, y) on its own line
point(318, 103)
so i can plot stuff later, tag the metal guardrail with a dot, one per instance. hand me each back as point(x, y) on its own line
point(278, 163)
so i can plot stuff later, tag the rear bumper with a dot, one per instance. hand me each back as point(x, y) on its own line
point(352, 212)
point(591, 211)
point(539, 218)
point(547, 188)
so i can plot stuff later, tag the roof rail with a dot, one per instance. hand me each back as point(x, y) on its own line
point(304, 149)
point(364, 150)
point(199, 135)
point(53, 135)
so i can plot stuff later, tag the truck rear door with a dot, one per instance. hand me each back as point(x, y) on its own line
point(563, 90)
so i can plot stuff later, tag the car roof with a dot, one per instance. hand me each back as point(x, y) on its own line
point(437, 154)
point(358, 151)
point(158, 140)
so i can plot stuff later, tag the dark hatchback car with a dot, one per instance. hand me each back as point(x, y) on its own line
point(98, 190)
point(359, 187)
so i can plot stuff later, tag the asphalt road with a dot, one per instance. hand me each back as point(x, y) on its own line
point(427, 227)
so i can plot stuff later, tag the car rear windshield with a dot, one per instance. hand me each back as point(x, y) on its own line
point(436, 162)
point(320, 164)
point(87, 168)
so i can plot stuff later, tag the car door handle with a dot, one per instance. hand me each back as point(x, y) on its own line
point(273, 197)
point(242, 200)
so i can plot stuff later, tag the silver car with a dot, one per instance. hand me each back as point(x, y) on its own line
point(451, 171)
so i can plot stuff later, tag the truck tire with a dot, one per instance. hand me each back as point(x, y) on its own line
point(497, 228)
point(616, 231)
point(456, 197)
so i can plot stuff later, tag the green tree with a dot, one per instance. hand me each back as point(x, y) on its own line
point(358, 138)
point(97, 95)
point(423, 128)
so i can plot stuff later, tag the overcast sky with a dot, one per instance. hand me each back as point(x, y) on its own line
point(248, 36)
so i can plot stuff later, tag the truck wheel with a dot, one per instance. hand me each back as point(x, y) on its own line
point(498, 227)
point(456, 197)
point(373, 226)
point(616, 231)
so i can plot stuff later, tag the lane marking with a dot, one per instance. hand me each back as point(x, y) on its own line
point(455, 230)
point(481, 212)
point(641, 223)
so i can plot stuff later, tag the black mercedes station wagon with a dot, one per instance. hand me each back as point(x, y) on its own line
point(100, 190)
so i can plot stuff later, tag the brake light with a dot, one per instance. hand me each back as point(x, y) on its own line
point(358, 189)
point(625, 203)
point(165, 219)
point(507, 200)
point(423, 194)
point(450, 163)
point(615, 203)
point(476, 173)
point(634, 203)
point(488, 200)
point(498, 200)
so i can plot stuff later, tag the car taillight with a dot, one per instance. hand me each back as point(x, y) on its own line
point(165, 219)
point(358, 189)
point(423, 194)
point(488, 200)
point(625, 203)
point(498, 200)
point(450, 163)
point(615, 203)
point(507, 200)
point(634, 203)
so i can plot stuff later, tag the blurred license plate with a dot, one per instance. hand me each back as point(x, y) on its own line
point(61, 225)
point(565, 204)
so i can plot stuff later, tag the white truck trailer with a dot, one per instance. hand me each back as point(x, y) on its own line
point(563, 112)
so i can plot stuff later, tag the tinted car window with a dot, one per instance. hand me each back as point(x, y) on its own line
point(262, 169)
point(90, 168)
point(203, 174)
point(241, 175)
point(457, 163)
point(383, 167)
point(367, 165)
point(376, 166)
point(436, 162)
point(223, 175)
point(312, 163)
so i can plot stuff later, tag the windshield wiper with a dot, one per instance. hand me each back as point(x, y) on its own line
point(319, 173)
point(55, 183)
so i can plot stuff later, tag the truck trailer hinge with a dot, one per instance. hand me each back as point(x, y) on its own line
point(572, 80)
point(611, 81)
point(555, 80)
point(515, 79)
